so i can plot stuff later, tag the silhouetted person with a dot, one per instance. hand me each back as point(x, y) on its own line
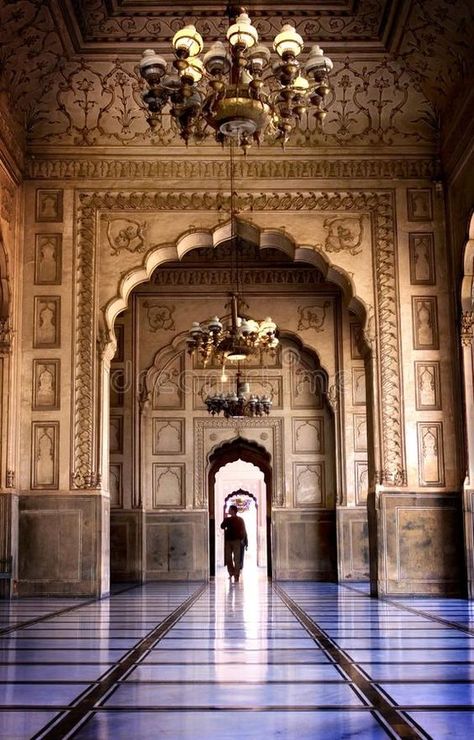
point(235, 535)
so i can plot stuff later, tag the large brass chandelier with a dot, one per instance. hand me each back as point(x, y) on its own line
point(235, 340)
point(235, 91)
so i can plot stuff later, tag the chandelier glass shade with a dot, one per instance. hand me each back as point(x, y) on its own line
point(233, 341)
point(235, 91)
point(238, 403)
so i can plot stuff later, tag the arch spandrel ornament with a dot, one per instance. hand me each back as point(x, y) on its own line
point(378, 204)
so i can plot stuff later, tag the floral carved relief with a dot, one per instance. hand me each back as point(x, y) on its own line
point(95, 103)
point(159, 316)
point(379, 204)
point(344, 234)
point(312, 317)
point(124, 233)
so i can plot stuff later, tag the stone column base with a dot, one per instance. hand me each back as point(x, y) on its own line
point(419, 544)
point(63, 545)
point(352, 544)
point(468, 512)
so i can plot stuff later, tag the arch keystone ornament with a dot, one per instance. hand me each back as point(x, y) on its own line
point(377, 204)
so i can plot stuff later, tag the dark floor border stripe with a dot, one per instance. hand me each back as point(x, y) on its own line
point(74, 717)
point(66, 610)
point(392, 718)
point(417, 612)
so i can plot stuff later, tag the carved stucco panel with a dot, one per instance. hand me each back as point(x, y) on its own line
point(99, 102)
point(385, 322)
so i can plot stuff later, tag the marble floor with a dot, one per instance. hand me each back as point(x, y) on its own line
point(237, 661)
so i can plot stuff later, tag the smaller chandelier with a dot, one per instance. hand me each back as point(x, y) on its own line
point(234, 341)
point(239, 403)
point(236, 91)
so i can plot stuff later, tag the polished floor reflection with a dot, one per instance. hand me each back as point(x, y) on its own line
point(237, 661)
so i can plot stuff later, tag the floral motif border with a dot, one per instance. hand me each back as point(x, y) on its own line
point(63, 168)
point(379, 203)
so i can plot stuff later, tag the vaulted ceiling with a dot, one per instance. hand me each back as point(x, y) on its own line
point(70, 66)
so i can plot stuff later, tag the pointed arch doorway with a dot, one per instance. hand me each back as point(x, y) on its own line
point(249, 452)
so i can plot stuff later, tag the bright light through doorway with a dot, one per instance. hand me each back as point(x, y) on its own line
point(248, 480)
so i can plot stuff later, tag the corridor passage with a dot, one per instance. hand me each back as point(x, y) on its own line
point(238, 662)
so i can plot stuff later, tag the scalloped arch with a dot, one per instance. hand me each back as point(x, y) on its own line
point(467, 285)
point(4, 280)
point(212, 238)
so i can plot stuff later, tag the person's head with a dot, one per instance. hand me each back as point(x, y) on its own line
point(233, 510)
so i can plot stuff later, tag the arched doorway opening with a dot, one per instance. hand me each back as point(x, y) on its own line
point(316, 434)
point(242, 484)
point(247, 452)
point(248, 508)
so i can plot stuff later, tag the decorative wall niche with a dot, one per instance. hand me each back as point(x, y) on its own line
point(44, 454)
point(116, 435)
point(117, 388)
point(422, 259)
point(46, 322)
point(361, 477)
point(46, 385)
point(168, 437)
point(48, 259)
point(168, 486)
point(115, 485)
point(358, 386)
point(49, 206)
point(308, 436)
point(425, 322)
point(430, 453)
point(427, 386)
point(309, 484)
point(360, 432)
point(419, 204)
point(355, 330)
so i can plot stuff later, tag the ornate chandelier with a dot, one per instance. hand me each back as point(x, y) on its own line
point(238, 403)
point(233, 341)
point(235, 91)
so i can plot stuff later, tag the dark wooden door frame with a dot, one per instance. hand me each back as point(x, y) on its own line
point(247, 451)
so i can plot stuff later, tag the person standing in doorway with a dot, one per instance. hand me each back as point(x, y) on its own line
point(234, 535)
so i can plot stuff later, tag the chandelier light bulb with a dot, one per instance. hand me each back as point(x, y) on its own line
point(259, 57)
point(300, 83)
point(317, 61)
point(194, 69)
point(152, 67)
point(217, 60)
point(242, 34)
point(187, 42)
point(288, 43)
